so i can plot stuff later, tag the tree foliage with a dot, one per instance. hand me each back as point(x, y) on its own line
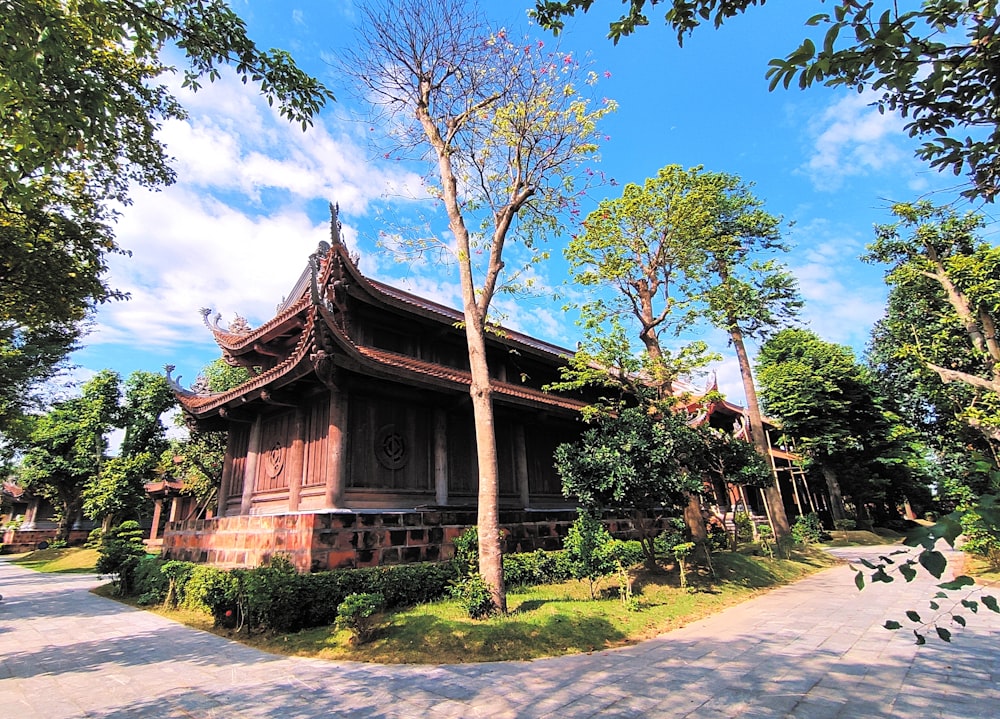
point(82, 95)
point(938, 264)
point(635, 460)
point(117, 492)
point(67, 447)
point(506, 128)
point(937, 63)
point(827, 403)
point(688, 246)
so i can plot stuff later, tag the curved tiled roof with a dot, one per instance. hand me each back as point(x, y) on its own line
point(202, 404)
point(236, 343)
point(452, 315)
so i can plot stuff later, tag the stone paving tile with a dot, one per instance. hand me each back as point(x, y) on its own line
point(815, 650)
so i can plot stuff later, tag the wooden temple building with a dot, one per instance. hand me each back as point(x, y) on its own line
point(352, 443)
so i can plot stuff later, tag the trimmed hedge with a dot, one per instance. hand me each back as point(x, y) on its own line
point(278, 598)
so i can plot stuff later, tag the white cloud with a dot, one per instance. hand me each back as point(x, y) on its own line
point(234, 232)
point(851, 138)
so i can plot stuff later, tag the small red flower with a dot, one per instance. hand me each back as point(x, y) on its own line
point(229, 612)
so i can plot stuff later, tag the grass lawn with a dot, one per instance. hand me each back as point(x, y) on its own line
point(70, 560)
point(855, 538)
point(543, 621)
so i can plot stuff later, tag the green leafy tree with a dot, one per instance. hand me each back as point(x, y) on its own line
point(746, 296)
point(829, 404)
point(117, 491)
point(937, 63)
point(678, 250)
point(588, 544)
point(815, 388)
point(936, 259)
point(507, 128)
point(198, 460)
point(81, 99)
point(634, 460)
point(66, 447)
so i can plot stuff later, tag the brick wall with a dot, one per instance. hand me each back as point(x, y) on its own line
point(331, 540)
point(16, 541)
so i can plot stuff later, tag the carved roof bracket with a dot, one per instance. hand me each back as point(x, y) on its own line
point(175, 384)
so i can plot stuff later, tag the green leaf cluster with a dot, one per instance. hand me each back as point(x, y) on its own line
point(82, 96)
point(936, 62)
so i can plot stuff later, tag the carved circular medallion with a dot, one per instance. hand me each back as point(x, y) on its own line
point(274, 459)
point(390, 448)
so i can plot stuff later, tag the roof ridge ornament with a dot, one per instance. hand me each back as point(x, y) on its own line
point(239, 325)
point(175, 384)
point(335, 225)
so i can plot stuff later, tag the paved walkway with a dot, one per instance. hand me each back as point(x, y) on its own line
point(814, 650)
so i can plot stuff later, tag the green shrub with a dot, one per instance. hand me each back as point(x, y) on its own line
point(176, 575)
point(473, 593)
point(807, 529)
point(119, 555)
point(982, 535)
point(587, 544)
point(359, 613)
point(743, 525)
point(765, 535)
point(674, 532)
point(539, 567)
point(845, 525)
point(718, 537)
point(466, 560)
point(94, 539)
point(148, 583)
point(58, 544)
point(681, 552)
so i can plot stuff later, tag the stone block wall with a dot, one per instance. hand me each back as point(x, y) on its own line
point(333, 540)
point(16, 541)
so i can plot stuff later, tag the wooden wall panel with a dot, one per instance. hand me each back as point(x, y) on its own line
point(463, 469)
point(390, 445)
point(317, 448)
point(541, 444)
point(273, 464)
point(239, 439)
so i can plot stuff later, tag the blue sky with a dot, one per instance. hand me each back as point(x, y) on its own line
point(251, 199)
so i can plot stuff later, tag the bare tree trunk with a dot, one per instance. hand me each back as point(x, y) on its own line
point(695, 522)
point(488, 516)
point(837, 508)
point(771, 493)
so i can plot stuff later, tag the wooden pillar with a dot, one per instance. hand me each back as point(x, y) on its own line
point(336, 438)
point(296, 458)
point(154, 531)
point(250, 468)
point(175, 502)
point(521, 464)
point(226, 484)
point(440, 457)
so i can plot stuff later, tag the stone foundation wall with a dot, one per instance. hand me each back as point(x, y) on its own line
point(16, 541)
point(333, 540)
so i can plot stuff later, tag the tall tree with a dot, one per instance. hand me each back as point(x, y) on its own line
point(828, 403)
point(936, 63)
point(67, 447)
point(937, 260)
point(747, 297)
point(507, 127)
point(198, 459)
point(642, 245)
point(683, 248)
point(117, 493)
point(81, 100)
